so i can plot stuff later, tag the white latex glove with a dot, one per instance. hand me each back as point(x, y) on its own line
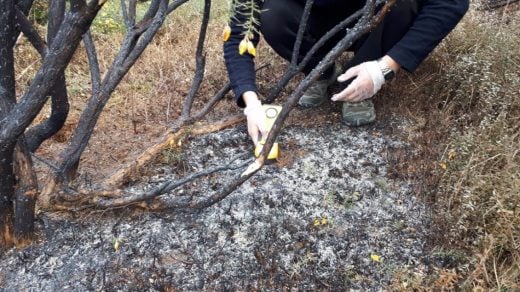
point(256, 121)
point(369, 80)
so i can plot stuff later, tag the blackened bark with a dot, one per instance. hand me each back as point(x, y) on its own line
point(7, 99)
point(93, 63)
point(74, 26)
point(59, 112)
point(24, 6)
point(6, 196)
point(59, 98)
point(26, 194)
point(30, 33)
point(200, 59)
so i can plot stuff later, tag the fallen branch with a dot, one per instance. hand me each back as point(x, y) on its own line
point(122, 176)
point(142, 199)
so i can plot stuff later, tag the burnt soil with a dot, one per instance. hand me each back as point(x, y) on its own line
point(326, 216)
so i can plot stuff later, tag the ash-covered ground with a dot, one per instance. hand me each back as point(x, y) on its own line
point(325, 217)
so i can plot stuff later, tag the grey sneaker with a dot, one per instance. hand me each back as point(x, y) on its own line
point(355, 114)
point(317, 93)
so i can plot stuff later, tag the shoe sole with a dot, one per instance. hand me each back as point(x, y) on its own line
point(310, 105)
point(357, 123)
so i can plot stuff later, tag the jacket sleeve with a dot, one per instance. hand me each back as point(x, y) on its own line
point(435, 20)
point(241, 68)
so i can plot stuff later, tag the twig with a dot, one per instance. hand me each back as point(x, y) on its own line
point(30, 32)
point(301, 30)
point(213, 101)
point(200, 62)
point(90, 48)
point(169, 139)
point(166, 187)
point(55, 19)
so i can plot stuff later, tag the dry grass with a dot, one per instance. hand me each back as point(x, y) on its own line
point(465, 136)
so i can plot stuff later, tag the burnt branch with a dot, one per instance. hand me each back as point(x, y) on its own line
point(55, 16)
point(301, 31)
point(171, 138)
point(90, 48)
point(200, 59)
point(59, 96)
point(213, 101)
point(78, 5)
point(7, 101)
point(175, 4)
point(132, 10)
point(23, 113)
point(24, 6)
point(30, 32)
point(59, 112)
point(152, 10)
point(165, 187)
point(133, 46)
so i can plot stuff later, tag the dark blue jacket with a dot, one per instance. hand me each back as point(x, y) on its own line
point(436, 18)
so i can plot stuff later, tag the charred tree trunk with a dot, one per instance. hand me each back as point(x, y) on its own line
point(25, 195)
point(7, 100)
point(18, 193)
point(6, 196)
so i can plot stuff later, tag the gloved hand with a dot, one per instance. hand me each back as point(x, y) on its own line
point(369, 80)
point(256, 120)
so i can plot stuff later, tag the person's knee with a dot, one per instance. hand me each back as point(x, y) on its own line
point(276, 21)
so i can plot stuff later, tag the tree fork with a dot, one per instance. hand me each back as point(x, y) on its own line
point(59, 97)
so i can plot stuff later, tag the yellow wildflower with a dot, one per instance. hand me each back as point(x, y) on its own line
point(242, 47)
point(226, 33)
point(251, 48)
point(324, 221)
point(451, 154)
point(375, 258)
point(117, 244)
